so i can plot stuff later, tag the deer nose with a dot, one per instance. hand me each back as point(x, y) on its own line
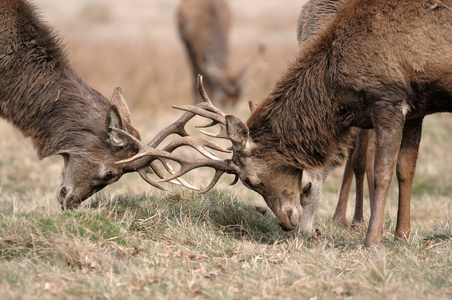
point(290, 219)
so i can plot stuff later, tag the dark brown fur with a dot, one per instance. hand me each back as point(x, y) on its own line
point(42, 95)
point(379, 64)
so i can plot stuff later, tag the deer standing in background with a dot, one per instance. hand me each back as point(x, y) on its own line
point(43, 96)
point(204, 29)
point(379, 65)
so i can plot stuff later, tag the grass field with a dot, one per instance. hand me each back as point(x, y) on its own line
point(131, 241)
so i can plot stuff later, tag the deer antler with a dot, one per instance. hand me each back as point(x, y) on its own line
point(145, 161)
point(186, 165)
point(207, 110)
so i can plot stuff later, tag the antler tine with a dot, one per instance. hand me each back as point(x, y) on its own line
point(201, 90)
point(204, 109)
point(153, 168)
point(217, 176)
point(210, 124)
point(144, 174)
point(215, 179)
point(222, 166)
point(143, 150)
point(179, 181)
point(197, 143)
point(207, 110)
point(221, 134)
point(204, 112)
point(169, 168)
point(177, 127)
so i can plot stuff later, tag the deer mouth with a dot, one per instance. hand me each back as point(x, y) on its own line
point(286, 228)
point(288, 225)
point(70, 203)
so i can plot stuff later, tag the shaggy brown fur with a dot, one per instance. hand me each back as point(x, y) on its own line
point(44, 97)
point(379, 64)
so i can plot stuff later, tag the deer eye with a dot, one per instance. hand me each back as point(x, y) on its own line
point(247, 181)
point(252, 182)
point(108, 176)
point(307, 189)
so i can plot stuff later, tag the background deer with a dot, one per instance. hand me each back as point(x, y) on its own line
point(378, 64)
point(204, 29)
point(43, 96)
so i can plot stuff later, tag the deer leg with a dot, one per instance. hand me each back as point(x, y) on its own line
point(370, 167)
point(341, 207)
point(388, 126)
point(359, 161)
point(406, 166)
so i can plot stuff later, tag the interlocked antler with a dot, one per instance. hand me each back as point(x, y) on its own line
point(146, 158)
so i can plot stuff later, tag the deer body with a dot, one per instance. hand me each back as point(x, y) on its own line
point(379, 64)
point(204, 29)
point(42, 95)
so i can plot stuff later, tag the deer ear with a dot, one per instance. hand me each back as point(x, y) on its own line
point(252, 105)
point(120, 103)
point(115, 120)
point(237, 132)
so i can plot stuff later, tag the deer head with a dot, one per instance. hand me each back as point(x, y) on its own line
point(88, 170)
point(292, 194)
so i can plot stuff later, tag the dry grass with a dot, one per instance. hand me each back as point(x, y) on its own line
point(133, 242)
point(184, 245)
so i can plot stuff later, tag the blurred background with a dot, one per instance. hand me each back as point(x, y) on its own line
point(135, 45)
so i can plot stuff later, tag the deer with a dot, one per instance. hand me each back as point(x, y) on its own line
point(43, 96)
point(360, 161)
point(315, 17)
point(204, 27)
point(378, 65)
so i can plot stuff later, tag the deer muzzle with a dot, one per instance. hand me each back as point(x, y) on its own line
point(66, 199)
point(290, 218)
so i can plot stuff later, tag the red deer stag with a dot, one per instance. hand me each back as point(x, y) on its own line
point(204, 29)
point(379, 64)
point(314, 18)
point(42, 95)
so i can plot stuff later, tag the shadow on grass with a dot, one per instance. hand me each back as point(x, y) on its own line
point(221, 211)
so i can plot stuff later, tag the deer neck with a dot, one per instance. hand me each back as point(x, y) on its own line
point(299, 122)
point(40, 93)
point(57, 110)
